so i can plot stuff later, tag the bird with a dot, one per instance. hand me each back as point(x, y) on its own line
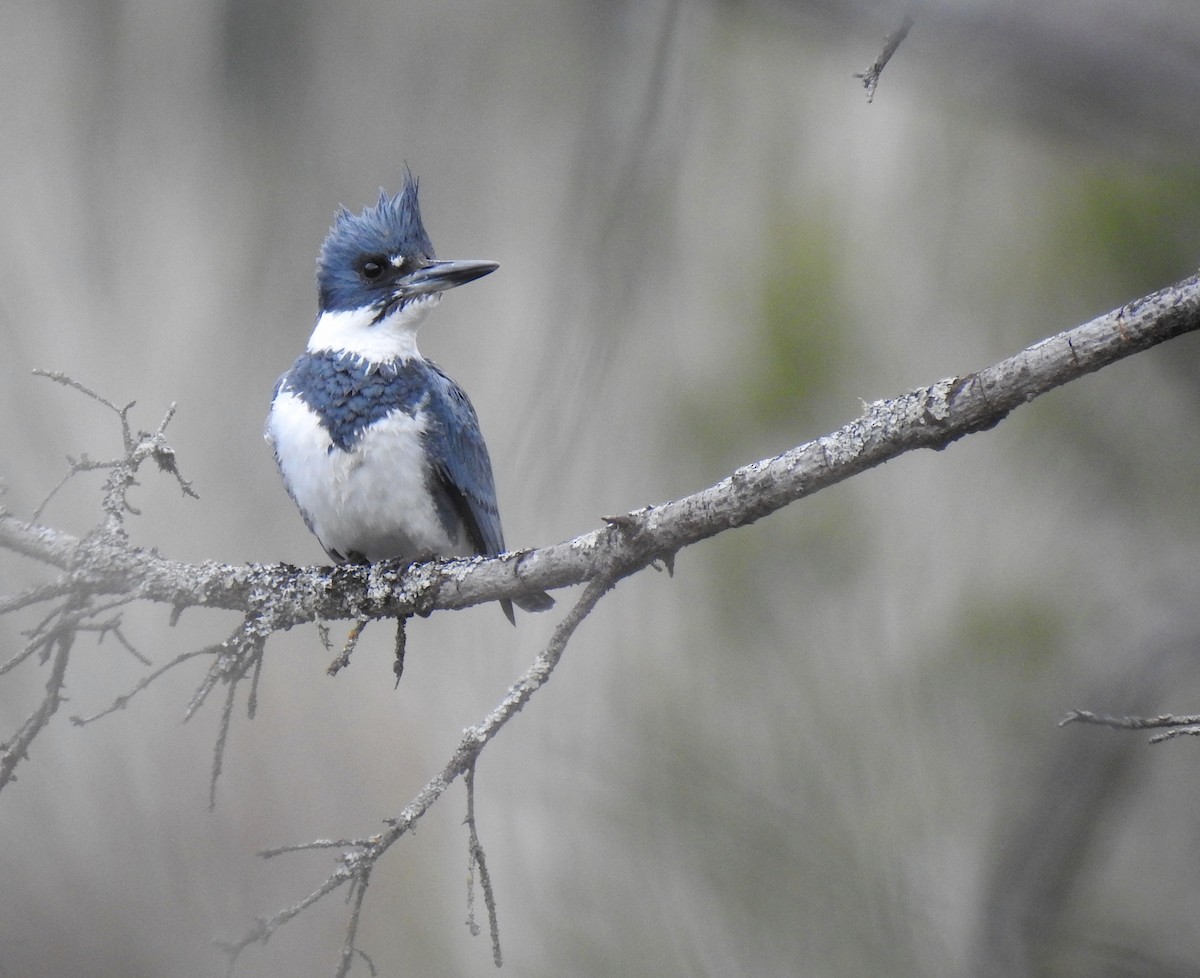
point(380, 450)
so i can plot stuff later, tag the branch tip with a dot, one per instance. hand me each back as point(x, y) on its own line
point(870, 77)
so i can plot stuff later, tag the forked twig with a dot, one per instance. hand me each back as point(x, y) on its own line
point(1171, 726)
point(362, 855)
point(477, 860)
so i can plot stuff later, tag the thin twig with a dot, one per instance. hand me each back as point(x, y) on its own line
point(316, 844)
point(343, 658)
point(358, 892)
point(17, 600)
point(219, 747)
point(123, 700)
point(476, 858)
point(252, 697)
point(16, 749)
point(473, 742)
point(1172, 726)
point(19, 657)
point(211, 678)
point(870, 77)
point(72, 471)
point(60, 378)
point(113, 627)
point(248, 655)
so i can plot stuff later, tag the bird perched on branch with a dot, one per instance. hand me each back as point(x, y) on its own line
point(380, 450)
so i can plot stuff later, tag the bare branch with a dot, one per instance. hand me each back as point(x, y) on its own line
point(928, 417)
point(870, 77)
point(359, 880)
point(276, 596)
point(315, 844)
point(123, 700)
point(17, 749)
point(34, 595)
point(121, 412)
point(112, 626)
point(362, 856)
point(343, 659)
point(477, 859)
point(1172, 726)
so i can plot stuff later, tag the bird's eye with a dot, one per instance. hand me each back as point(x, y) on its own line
point(371, 269)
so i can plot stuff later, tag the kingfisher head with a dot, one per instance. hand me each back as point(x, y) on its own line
point(377, 277)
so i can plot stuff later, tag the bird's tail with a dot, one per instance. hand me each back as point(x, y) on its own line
point(539, 601)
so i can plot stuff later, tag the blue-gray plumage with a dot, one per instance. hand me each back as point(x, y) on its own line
point(379, 448)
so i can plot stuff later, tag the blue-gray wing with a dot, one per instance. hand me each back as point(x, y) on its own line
point(462, 483)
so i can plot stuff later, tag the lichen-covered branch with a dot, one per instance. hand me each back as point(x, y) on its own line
point(929, 417)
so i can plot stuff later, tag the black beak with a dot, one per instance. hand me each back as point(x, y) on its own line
point(438, 276)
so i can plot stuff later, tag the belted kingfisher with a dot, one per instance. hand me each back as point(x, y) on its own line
point(379, 449)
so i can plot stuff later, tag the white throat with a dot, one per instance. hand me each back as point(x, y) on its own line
point(355, 331)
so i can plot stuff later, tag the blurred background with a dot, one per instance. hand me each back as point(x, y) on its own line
point(828, 745)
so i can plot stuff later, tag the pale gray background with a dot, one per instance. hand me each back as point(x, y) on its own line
point(828, 745)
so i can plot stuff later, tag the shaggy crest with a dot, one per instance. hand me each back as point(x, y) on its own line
point(392, 227)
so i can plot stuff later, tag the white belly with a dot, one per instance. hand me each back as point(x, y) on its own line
point(373, 500)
